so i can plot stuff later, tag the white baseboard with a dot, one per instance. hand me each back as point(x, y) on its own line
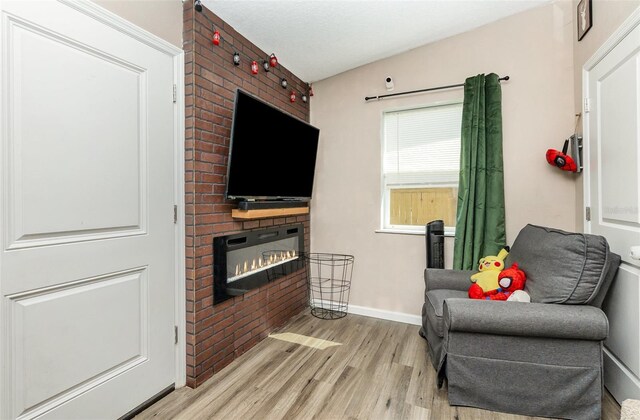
point(619, 380)
point(371, 312)
point(388, 315)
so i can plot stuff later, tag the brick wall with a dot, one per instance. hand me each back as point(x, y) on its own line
point(218, 334)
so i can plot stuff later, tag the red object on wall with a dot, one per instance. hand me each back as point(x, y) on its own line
point(310, 90)
point(273, 60)
point(254, 67)
point(561, 159)
point(216, 37)
point(292, 96)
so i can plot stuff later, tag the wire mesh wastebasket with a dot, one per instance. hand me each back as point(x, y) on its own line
point(329, 277)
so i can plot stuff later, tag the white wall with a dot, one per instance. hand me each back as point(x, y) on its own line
point(535, 49)
point(162, 18)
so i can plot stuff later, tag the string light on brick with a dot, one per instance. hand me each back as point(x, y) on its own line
point(267, 65)
point(273, 60)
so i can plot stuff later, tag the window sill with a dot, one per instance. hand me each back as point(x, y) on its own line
point(410, 232)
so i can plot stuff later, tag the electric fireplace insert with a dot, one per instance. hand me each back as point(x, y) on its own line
point(252, 259)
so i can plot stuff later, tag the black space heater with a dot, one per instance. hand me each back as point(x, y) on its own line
point(435, 244)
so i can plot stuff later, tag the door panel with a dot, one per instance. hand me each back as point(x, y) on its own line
point(624, 318)
point(618, 157)
point(113, 314)
point(87, 264)
point(612, 190)
point(102, 125)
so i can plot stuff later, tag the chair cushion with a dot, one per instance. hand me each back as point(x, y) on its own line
point(435, 303)
point(561, 267)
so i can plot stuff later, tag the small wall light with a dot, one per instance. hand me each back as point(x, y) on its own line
point(265, 65)
point(304, 98)
point(292, 96)
point(197, 4)
point(236, 58)
point(216, 37)
point(254, 67)
point(283, 83)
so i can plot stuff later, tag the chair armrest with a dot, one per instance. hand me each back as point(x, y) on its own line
point(582, 322)
point(438, 278)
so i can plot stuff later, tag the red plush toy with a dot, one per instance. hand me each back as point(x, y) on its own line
point(510, 279)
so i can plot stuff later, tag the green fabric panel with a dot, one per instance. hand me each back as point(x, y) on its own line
point(480, 221)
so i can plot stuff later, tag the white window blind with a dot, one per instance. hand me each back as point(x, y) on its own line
point(422, 146)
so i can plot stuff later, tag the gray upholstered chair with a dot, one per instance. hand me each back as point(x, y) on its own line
point(542, 358)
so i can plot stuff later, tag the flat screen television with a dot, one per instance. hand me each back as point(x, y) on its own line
point(272, 155)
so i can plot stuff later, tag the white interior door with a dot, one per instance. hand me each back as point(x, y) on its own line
point(612, 191)
point(87, 262)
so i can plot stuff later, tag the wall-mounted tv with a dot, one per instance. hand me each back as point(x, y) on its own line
point(272, 154)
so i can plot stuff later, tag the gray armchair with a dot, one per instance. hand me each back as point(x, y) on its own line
point(542, 358)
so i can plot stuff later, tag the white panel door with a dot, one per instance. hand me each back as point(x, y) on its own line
point(87, 263)
point(612, 184)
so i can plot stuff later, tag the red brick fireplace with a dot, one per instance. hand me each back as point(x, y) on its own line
point(217, 334)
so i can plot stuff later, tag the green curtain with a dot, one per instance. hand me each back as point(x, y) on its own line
point(480, 224)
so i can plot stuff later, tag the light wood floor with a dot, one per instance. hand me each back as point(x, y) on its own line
point(379, 372)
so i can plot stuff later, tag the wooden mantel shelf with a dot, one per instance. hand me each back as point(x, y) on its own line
point(263, 213)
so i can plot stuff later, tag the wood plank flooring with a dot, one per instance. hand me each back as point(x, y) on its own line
point(380, 371)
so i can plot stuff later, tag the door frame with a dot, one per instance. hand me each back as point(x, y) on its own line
point(631, 23)
point(120, 24)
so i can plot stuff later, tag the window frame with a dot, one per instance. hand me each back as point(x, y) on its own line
point(385, 227)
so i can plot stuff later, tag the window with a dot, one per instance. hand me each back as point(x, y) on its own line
point(421, 164)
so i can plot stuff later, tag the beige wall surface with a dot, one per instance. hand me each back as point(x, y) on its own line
point(162, 18)
point(608, 15)
point(535, 49)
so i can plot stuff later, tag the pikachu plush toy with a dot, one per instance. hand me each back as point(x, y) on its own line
point(487, 279)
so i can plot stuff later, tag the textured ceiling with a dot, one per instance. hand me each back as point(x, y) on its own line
point(319, 39)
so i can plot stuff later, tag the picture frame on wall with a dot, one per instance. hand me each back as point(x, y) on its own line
point(583, 14)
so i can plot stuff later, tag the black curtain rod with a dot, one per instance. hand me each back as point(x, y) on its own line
point(367, 98)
